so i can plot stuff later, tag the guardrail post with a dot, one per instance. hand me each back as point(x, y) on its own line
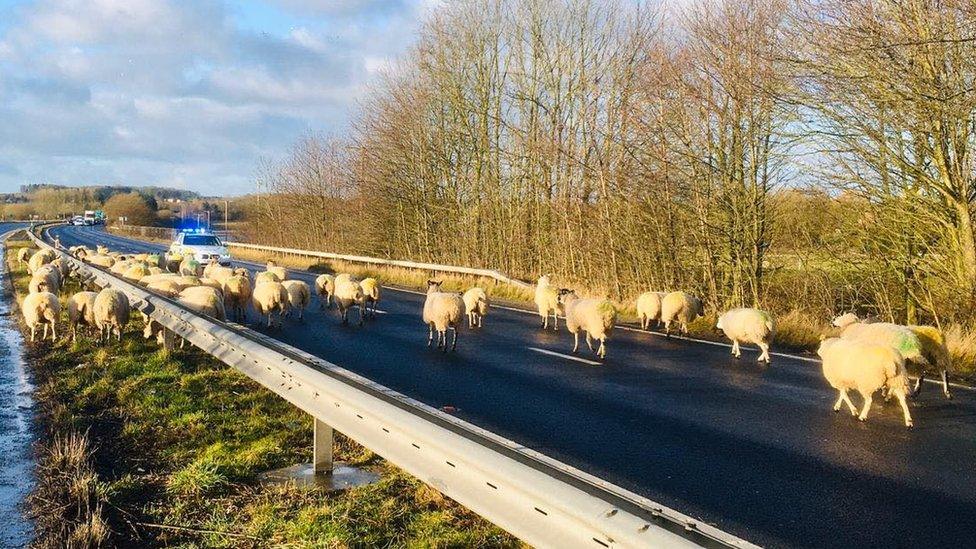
point(322, 439)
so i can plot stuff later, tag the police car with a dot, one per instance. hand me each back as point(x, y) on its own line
point(202, 244)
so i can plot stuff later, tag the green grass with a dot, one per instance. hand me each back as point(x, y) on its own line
point(166, 449)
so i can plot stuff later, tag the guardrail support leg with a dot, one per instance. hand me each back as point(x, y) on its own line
point(322, 438)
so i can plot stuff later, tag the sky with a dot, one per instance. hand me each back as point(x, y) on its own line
point(191, 94)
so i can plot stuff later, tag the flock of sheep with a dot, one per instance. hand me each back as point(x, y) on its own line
point(865, 357)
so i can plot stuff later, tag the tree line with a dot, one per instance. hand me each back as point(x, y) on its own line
point(793, 155)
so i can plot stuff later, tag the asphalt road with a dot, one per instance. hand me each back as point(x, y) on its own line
point(754, 450)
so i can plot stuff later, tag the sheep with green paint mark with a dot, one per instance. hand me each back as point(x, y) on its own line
point(594, 317)
point(748, 325)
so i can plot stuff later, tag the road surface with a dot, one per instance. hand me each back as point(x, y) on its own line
point(754, 450)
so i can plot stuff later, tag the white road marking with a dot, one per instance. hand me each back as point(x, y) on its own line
point(568, 357)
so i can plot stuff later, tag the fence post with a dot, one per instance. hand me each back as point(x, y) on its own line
point(322, 439)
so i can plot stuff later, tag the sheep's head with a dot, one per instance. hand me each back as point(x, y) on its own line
point(544, 280)
point(241, 271)
point(564, 295)
point(434, 285)
point(718, 325)
point(272, 263)
point(844, 320)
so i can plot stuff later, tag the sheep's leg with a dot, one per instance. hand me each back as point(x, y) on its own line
point(545, 320)
point(54, 329)
point(840, 400)
point(362, 316)
point(667, 328)
point(867, 407)
point(454, 343)
point(430, 335)
point(589, 343)
point(481, 320)
point(602, 351)
point(575, 341)
point(269, 319)
point(44, 336)
point(765, 352)
point(643, 322)
point(735, 348)
point(945, 384)
point(847, 399)
point(33, 330)
point(900, 395)
point(918, 384)
point(470, 320)
point(555, 321)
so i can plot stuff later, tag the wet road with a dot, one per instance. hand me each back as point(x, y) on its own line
point(16, 421)
point(754, 450)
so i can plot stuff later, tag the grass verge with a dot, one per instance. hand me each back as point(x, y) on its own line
point(148, 448)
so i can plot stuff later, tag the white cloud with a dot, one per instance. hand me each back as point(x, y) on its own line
point(150, 91)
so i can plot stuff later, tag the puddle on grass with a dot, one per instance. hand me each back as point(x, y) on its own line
point(16, 427)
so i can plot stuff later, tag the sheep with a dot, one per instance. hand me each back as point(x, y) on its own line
point(168, 288)
point(371, 294)
point(269, 297)
point(237, 293)
point(39, 259)
point(679, 307)
point(187, 281)
point(156, 271)
point(190, 267)
point(280, 272)
point(171, 263)
point(936, 353)
point(152, 278)
point(348, 292)
point(23, 255)
point(299, 296)
point(101, 250)
point(931, 348)
point(265, 276)
point(111, 311)
point(164, 337)
point(45, 281)
point(747, 325)
point(865, 367)
point(211, 283)
point(103, 261)
point(442, 310)
point(547, 301)
point(325, 288)
point(476, 305)
point(135, 272)
point(41, 308)
point(214, 270)
point(594, 317)
point(120, 266)
point(81, 311)
point(155, 260)
point(649, 308)
point(204, 300)
point(63, 267)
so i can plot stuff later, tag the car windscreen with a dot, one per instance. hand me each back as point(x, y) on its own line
point(200, 240)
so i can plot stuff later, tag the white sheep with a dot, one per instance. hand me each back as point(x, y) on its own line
point(325, 287)
point(864, 367)
point(266, 276)
point(23, 255)
point(205, 300)
point(679, 307)
point(41, 308)
point(216, 271)
point(168, 288)
point(268, 298)
point(111, 310)
point(476, 305)
point(547, 302)
point(349, 293)
point(99, 260)
point(190, 267)
point(46, 279)
point(442, 310)
point(81, 310)
point(299, 296)
point(40, 258)
point(649, 308)
point(747, 325)
point(237, 294)
point(593, 316)
point(280, 272)
point(135, 272)
point(925, 351)
point(371, 294)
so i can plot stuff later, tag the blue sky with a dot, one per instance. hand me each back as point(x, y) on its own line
point(185, 93)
